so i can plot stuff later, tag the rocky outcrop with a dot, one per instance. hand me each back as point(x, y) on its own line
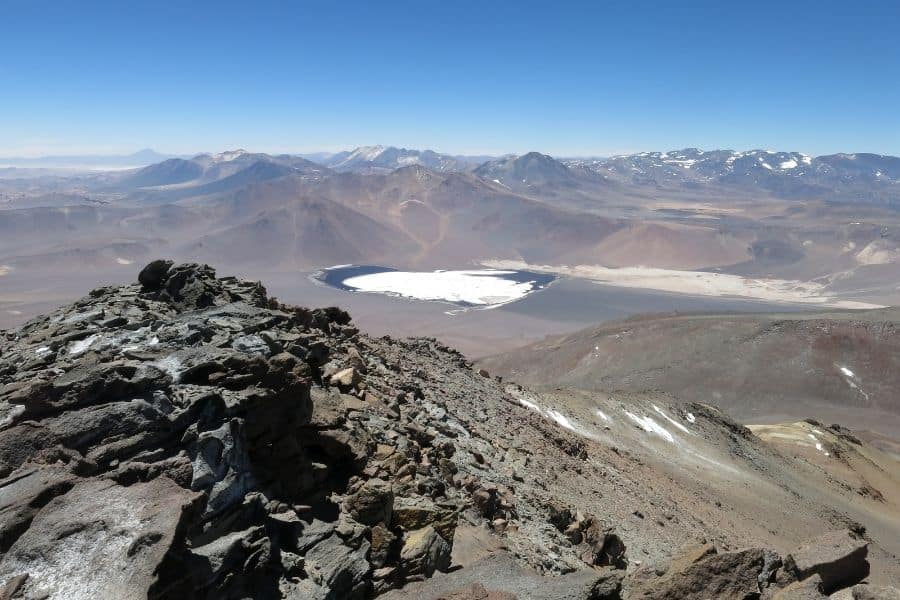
point(190, 437)
point(182, 438)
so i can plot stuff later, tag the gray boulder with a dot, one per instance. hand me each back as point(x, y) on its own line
point(99, 540)
point(838, 557)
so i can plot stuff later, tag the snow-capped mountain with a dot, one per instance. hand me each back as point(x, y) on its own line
point(788, 174)
point(693, 164)
point(383, 159)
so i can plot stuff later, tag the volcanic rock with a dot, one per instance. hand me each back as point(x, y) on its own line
point(838, 557)
point(701, 573)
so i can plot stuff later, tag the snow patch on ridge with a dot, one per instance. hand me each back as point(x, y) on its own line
point(81, 346)
point(649, 425)
point(561, 419)
point(670, 419)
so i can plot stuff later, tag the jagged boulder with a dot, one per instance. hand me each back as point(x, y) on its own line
point(424, 552)
point(154, 274)
point(414, 513)
point(838, 557)
point(702, 572)
point(372, 503)
point(100, 540)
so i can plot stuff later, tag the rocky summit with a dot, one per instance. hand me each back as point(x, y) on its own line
point(189, 436)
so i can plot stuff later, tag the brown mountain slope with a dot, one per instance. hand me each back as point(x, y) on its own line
point(841, 366)
point(303, 233)
point(458, 217)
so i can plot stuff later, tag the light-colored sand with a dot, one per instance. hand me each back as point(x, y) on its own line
point(696, 283)
point(699, 207)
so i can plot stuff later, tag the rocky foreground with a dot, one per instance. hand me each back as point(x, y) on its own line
point(191, 437)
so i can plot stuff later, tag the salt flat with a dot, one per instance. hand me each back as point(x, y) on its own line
point(482, 288)
point(697, 283)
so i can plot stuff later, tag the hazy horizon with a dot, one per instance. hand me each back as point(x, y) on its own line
point(310, 152)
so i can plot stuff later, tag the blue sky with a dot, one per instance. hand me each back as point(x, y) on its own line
point(567, 78)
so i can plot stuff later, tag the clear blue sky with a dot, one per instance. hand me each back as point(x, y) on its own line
point(567, 78)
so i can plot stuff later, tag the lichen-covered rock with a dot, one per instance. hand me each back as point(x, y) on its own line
point(416, 512)
point(372, 503)
point(100, 540)
point(424, 552)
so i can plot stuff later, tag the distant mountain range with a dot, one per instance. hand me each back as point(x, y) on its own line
point(573, 183)
point(381, 159)
point(219, 172)
point(869, 177)
point(836, 177)
point(831, 219)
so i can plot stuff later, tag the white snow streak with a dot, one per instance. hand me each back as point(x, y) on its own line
point(651, 426)
point(561, 419)
point(530, 405)
point(670, 419)
point(82, 345)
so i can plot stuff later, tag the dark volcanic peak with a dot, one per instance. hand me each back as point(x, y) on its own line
point(190, 437)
